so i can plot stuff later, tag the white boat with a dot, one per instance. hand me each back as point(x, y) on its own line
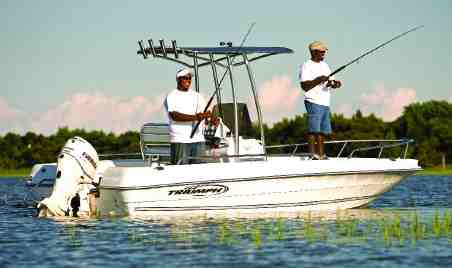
point(39, 183)
point(237, 176)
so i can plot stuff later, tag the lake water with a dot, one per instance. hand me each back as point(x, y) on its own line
point(410, 226)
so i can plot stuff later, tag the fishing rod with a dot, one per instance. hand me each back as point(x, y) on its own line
point(221, 80)
point(374, 49)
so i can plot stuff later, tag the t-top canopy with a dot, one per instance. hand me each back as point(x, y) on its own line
point(236, 50)
point(164, 51)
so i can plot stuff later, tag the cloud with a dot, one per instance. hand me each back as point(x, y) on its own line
point(387, 104)
point(91, 112)
point(279, 98)
point(12, 120)
point(7, 112)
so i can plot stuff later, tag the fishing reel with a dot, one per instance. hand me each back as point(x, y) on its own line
point(210, 129)
point(215, 131)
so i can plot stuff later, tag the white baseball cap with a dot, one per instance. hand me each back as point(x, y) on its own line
point(183, 72)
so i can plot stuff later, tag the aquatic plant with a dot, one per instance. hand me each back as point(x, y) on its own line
point(436, 224)
point(277, 230)
point(393, 228)
point(239, 228)
point(256, 236)
point(447, 223)
point(309, 230)
point(418, 229)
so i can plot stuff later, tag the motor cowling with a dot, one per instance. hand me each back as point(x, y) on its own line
point(76, 170)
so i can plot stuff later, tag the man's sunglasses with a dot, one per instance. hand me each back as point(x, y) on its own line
point(186, 78)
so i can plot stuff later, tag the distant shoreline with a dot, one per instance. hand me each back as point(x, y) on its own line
point(23, 172)
point(436, 171)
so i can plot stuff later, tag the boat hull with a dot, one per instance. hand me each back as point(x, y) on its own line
point(284, 191)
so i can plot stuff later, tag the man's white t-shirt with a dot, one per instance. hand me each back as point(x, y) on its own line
point(310, 70)
point(187, 102)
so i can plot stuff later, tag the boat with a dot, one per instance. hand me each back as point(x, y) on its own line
point(39, 183)
point(238, 175)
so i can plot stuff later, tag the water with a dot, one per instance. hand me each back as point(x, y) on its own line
point(406, 227)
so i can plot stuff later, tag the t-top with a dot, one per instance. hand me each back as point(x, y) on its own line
point(310, 70)
point(187, 102)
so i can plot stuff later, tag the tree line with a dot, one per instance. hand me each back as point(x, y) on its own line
point(428, 123)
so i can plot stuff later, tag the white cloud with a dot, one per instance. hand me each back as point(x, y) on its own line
point(279, 98)
point(7, 112)
point(12, 120)
point(88, 111)
point(97, 111)
point(387, 104)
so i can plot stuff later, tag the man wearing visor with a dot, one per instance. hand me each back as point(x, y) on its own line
point(184, 108)
point(315, 81)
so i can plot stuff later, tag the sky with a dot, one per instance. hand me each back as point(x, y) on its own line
point(74, 63)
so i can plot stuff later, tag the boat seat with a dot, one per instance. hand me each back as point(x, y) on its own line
point(155, 141)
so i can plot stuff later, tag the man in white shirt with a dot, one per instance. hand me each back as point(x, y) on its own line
point(316, 82)
point(185, 107)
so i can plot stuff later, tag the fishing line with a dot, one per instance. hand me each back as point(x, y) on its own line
point(374, 49)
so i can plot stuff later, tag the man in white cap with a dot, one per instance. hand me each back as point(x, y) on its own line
point(185, 107)
point(316, 82)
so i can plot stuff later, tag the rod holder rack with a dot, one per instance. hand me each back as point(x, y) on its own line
point(160, 51)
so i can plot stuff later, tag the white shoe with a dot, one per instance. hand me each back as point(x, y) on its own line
point(315, 157)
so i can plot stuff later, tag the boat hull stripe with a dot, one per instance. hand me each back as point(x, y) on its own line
point(298, 204)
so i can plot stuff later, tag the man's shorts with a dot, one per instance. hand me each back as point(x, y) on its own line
point(318, 118)
point(187, 153)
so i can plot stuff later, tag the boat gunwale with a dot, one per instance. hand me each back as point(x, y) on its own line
point(290, 176)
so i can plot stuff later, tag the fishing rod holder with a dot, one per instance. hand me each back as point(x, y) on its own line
point(161, 51)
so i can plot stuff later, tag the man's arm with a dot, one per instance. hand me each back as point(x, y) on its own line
point(181, 117)
point(310, 84)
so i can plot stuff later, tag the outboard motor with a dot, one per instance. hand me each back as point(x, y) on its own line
point(76, 170)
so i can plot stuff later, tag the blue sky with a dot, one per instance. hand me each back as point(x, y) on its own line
point(73, 63)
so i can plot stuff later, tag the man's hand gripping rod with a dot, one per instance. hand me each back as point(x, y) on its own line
point(221, 80)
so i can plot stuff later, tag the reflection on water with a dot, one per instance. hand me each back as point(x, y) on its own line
point(408, 226)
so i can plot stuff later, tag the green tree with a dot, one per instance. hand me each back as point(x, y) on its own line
point(430, 124)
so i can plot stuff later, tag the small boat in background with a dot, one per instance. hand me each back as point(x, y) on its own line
point(40, 181)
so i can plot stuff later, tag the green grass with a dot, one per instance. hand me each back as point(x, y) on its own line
point(21, 172)
point(436, 171)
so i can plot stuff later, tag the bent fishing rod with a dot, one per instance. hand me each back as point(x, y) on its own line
point(374, 49)
point(221, 80)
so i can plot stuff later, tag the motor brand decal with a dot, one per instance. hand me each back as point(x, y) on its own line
point(201, 190)
point(90, 159)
